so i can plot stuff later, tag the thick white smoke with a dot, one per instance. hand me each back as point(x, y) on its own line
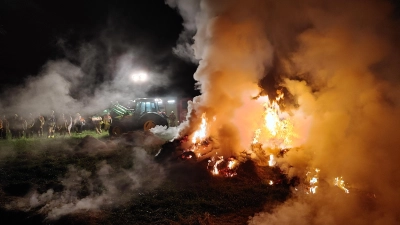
point(108, 187)
point(73, 85)
point(189, 10)
point(234, 52)
point(339, 59)
point(87, 80)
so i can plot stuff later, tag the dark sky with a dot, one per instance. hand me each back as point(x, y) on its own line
point(34, 32)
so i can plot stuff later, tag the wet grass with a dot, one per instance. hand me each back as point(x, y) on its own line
point(189, 195)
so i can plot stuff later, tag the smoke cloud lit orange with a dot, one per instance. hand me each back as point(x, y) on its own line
point(339, 61)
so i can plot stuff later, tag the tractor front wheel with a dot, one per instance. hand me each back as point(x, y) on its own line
point(150, 121)
point(148, 124)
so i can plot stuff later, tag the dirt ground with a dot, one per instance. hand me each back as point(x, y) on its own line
point(90, 181)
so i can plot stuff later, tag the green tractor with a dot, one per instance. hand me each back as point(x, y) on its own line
point(143, 114)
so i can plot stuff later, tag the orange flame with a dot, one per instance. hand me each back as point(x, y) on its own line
point(339, 182)
point(278, 130)
point(201, 134)
point(223, 167)
point(231, 164)
point(215, 168)
point(256, 136)
point(313, 181)
point(271, 161)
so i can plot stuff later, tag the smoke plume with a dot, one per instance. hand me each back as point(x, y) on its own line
point(86, 79)
point(340, 61)
point(234, 52)
point(110, 186)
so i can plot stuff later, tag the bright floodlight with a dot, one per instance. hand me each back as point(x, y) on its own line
point(139, 77)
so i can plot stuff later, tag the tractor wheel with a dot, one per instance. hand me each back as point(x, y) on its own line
point(151, 120)
point(148, 124)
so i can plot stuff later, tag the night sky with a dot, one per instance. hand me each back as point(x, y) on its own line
point(34, 32)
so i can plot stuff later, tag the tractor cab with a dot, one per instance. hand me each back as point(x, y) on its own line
point(141, 114)
point(142, 106)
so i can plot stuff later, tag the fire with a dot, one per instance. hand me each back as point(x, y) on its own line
point(231, 164)
point(220, 166)
point(256, 136)
point(272, 117)
point(215, 170)
point(339, 182)
point(201, 134)
point(274, 138)
point(201, 143)
point(277, 131)
point(279, 128)
point(313, 189)
point(271, 161)
point(202, 146)
point(312, 178)
point(275, 134)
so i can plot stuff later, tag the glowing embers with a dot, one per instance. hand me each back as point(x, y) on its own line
point(188, 155)
point(219, 166)
point(339, 182)
point(202, 147)
point(277, 131)
point(312, 180)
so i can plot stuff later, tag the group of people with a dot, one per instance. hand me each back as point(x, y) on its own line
point(101, 122)
point(172, 119)
point(17, 126)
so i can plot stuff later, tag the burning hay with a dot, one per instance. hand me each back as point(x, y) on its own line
point(272, 139)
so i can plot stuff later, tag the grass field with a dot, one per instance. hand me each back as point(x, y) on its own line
point(52, 181)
